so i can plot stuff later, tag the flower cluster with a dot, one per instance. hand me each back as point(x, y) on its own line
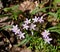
point(27, 26)
point(30, 24)
point(16, 30)
point(38, 19)
point(46, 37)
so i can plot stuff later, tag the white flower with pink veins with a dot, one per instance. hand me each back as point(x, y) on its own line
point(32, 26)
point(45, 33)
point(46, 37)
point(25, 26)
point(41, 19)
point(35, 19)
point(47, 40)
point(15, 29)
point(27, 21)
point(21, 35)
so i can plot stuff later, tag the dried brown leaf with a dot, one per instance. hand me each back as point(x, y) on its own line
point(27, 5)
point(3, 19)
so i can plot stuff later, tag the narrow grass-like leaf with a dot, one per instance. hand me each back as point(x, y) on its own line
point(25, 41)
point(55, 29)
point(6, 27)
point(39, 9)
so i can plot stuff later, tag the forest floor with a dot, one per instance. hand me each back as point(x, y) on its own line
point(18, 15)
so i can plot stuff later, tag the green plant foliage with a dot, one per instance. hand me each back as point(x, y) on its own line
point(25, 41)
point(55, 29)
point(6, 27)
point(39, 44)
point(53, 14)
point(10, 9)
point(37, 9)
point(56, 1)
point(14, 11)
point(36, 42)
point(34, 38)
point(15, 14)
point(56, 15)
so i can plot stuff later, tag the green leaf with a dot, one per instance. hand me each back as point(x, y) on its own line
point(25, 41)
point(58, 13)
point(11, 8)
point(4, 15)
point(55, 29)
point(15, 7)
point(22, 42)
point(6, 27)
point(56, 1)
point(53, 14)
point(38, 10)
point(7, 9)
point(15, 15)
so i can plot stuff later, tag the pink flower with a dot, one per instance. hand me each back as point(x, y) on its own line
point(47, 40)
point(45, 33)
point(27, 21)
point(35, 19)
point(25, 26)
point(32, 26)
point(41, 19)
point(21, 35)
point(15, 29)
point(46, 37)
